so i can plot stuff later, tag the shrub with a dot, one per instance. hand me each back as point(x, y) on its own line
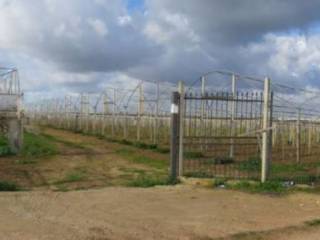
point(252, 164)
point(4, 146)
point(8, 186)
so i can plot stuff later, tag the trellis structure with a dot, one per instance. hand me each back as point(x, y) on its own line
point(226, 133)
point(139, 114)
point(10, 108)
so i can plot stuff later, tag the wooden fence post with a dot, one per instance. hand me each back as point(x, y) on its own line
point(174, 142)
point(265, 133)
point(181, 125)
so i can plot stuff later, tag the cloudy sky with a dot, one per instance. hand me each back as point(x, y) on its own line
point(77, 45)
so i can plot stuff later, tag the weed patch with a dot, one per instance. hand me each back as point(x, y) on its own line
point(257, 187)
point(150, 181)
point(37, 146)
point(132, 156)
point(313, 223)
point(8, 186)
point(4, 146)
point(75, 176)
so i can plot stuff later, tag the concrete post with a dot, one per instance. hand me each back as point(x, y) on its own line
point(265, 133)
point(174, 154)
point(233, 113)
point(15, 134)
point(181, 125)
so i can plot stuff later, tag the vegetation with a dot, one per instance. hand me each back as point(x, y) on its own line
point(4, 146)
point(258, 187)
point(150, 181)
point(253, 164)
point(73, 176)
point(313, 223)
point(133, 156)
point(37, 146)
point(8, 186)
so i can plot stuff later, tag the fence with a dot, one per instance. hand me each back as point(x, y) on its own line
point(246, 134)
point(139, 114)
point(10, 108)
point(235, 127)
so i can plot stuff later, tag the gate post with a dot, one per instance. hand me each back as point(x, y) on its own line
point(265, 131)
point(174, 141)
point(181, 125)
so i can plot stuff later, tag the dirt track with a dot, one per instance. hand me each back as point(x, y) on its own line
point(179, 212)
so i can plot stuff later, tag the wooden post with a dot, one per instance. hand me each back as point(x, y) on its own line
point(233, 113)
point(181, 125)
point(298, 136)
point(265, 135)
point(174, 154)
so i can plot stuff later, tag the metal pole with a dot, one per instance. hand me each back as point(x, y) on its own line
point(157, 114)
point(105, 113)
point(233, 113)
point(265, 125)
point(140, 112)
point(174, 135)
point(181, 125)
point(114, 112)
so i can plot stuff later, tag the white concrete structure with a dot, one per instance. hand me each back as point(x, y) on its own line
point(10, 108)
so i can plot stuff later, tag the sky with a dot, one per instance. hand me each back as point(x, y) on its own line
point(80, 45)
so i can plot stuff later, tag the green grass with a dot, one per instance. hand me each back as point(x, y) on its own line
point(146, 181)
point(74, 176)
point(4, 146)
point(8, 186)
point(253, 164)
point(37, 146)
point(135, 157)
point(67, 143)
point(219, 182)
point(258, 187)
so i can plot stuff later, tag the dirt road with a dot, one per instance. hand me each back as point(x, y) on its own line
point(116, 213)
point(179, 212)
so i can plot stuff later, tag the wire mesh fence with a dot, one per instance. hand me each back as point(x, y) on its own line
point(220, 133)
point(224, 129)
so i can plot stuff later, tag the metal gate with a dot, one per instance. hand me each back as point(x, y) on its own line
point(220, 134)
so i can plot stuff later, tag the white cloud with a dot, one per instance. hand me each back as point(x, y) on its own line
point(291, 55)
point(99, 26)
point(124, 20)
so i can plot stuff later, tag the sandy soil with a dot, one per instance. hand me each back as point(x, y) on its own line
point(112, 213)
point(181, 212)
